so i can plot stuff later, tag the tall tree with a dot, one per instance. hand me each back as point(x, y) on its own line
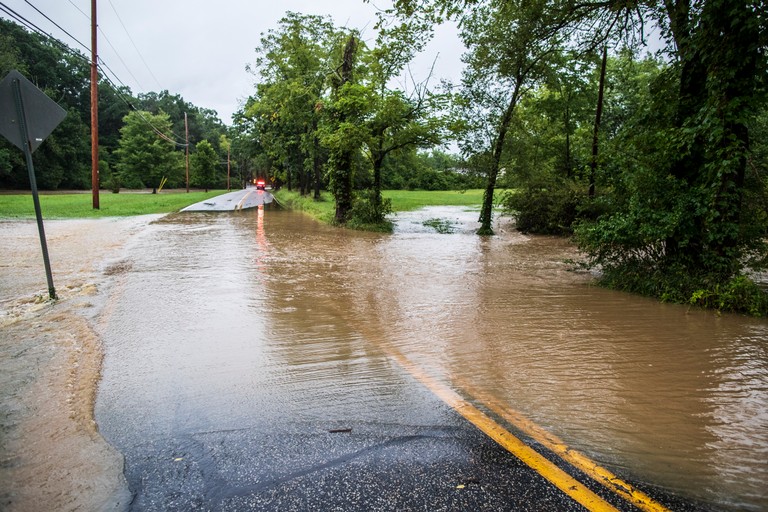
point(346, 134)
point(292, 65)
point(508, 51)
point(721, 51)
point(398, 120)
point(205, 166)
point(147, 153)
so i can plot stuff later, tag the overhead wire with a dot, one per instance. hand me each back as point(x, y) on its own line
point(134, 44)
point(106, 38)
point(56, 24)
point(79, 9)
point(133, 107)
point(64, 47)
point(121, 59)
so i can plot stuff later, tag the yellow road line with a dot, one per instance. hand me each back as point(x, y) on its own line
point(574, 457)
point(239, 205)
point(563, 481)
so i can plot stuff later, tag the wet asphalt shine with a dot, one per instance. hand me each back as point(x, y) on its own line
point(433, 461)
point(231, 390)
point(443, 463)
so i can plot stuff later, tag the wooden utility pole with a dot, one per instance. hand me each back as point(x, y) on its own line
point(186, 135)
point(228, 183)
point(94, 112)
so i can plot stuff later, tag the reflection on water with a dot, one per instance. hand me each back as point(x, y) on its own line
point(222, 315)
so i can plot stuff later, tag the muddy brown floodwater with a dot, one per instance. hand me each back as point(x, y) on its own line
point(671, 396)
point(202, 309)
point(52, 456)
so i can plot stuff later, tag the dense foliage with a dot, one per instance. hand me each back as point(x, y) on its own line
point(154, 122)
point(657, 163)
point(324, 116)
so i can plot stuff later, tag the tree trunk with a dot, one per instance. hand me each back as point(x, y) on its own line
point(316, 161)
point(567, 122)
point(344, 163)
point(486, 211)
point(317, 164)
point(598, 116)
point(288, 177)
point(378, 163)
point(726, 37)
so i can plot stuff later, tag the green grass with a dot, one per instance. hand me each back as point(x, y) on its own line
point(408, 200)
point(323, 210)
point(402, 200)
point(67, 206)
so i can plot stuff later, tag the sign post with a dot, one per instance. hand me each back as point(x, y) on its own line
point(28, 116)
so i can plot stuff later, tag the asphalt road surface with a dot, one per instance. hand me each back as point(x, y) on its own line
point(243, 199)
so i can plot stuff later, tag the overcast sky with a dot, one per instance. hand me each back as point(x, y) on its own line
point(199, 48)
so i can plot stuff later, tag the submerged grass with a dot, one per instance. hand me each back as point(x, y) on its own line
point(68, 206)
point(402, 200)
point(442, 226)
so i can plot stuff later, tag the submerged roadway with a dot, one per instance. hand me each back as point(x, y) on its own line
point(234, 381)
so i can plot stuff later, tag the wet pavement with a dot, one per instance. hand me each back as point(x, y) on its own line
point(249, 197)
point(253, 363)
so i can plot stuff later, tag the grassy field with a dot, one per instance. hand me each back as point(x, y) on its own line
point(402, 200)
point(67, 206)
point(407, 200)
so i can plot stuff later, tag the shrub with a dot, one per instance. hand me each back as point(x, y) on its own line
point(544, 210)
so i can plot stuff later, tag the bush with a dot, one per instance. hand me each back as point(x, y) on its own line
point(740, 294)
point(544, 210)
point(369, 214)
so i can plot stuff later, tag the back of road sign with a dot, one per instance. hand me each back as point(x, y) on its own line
point(42, 114)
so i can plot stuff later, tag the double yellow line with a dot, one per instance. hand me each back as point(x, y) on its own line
point(562, 480)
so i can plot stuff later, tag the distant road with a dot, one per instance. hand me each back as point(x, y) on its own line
point(238, 200)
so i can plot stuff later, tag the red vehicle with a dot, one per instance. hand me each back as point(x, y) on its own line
point(261, 185)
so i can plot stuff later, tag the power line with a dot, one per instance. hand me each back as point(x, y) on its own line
point(104, 35)
point(121, 59)
point(79, 9)
point(134, 44)
point(132, 107)
point(57, 25)
point(34, 28)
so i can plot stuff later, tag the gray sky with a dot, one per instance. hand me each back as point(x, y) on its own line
point(199, 49)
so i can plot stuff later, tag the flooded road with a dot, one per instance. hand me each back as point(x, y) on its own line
point(222, 324)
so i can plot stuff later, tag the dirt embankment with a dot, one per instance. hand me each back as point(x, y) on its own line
point(52, 456)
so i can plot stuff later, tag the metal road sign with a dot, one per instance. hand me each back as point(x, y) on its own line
point(42, 114)
point(27, 117)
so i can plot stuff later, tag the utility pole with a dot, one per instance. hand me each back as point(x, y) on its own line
point(186, 134)
point(229, 188)
point(94, 112)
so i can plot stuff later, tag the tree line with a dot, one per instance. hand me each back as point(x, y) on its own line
point(142, 138)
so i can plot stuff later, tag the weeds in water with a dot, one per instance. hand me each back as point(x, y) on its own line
point(442, 226)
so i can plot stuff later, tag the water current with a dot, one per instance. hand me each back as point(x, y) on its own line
point(211, 313)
